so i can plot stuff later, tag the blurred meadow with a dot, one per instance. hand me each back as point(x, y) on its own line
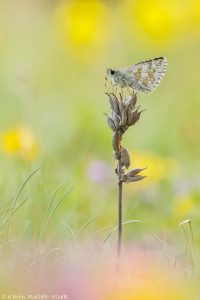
point(53, 60)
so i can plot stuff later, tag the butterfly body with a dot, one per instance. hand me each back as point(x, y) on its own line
point(142, 77)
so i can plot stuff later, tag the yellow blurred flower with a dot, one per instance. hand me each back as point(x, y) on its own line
point(160, 20)
point(81, 24)
point(154, 288)
point(183, 205)
point(158, 167)
point(19, 140)
point(195, 13)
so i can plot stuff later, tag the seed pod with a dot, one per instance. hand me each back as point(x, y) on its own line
point(133, 172)
point(131, 102)
point(114, 103)
point(116, 142)
point(129, 116)
point(111, 124)
point(135, 116)
point(123, 114)
point(125, 157)
point(133, 179)
point(115, 118)
point(129, 110)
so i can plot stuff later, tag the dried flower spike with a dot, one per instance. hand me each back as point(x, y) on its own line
point(123, 114)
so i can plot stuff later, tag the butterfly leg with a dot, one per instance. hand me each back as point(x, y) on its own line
point(108, 87)
point(105, 82)
point(114, 88)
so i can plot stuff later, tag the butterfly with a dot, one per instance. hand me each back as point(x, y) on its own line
point(141, 77)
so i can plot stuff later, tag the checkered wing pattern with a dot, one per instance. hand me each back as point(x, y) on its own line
point(146, 76)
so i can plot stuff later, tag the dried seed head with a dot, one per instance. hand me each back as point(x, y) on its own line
point(125, 157)
point(123, 115)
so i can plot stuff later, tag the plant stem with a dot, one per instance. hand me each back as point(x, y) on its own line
point(119, 242)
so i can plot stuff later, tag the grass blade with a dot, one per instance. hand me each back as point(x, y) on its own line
point(15, 200)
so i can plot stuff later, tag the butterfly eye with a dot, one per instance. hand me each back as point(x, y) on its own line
point(112, 72)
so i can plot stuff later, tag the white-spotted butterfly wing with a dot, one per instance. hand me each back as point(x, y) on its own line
point(145, 76)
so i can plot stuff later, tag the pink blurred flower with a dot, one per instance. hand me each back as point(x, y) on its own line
point(99, 172)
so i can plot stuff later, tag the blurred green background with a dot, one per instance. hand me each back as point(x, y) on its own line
point(53, 60)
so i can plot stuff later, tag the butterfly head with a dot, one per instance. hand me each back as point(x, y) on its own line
point(110, 72)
